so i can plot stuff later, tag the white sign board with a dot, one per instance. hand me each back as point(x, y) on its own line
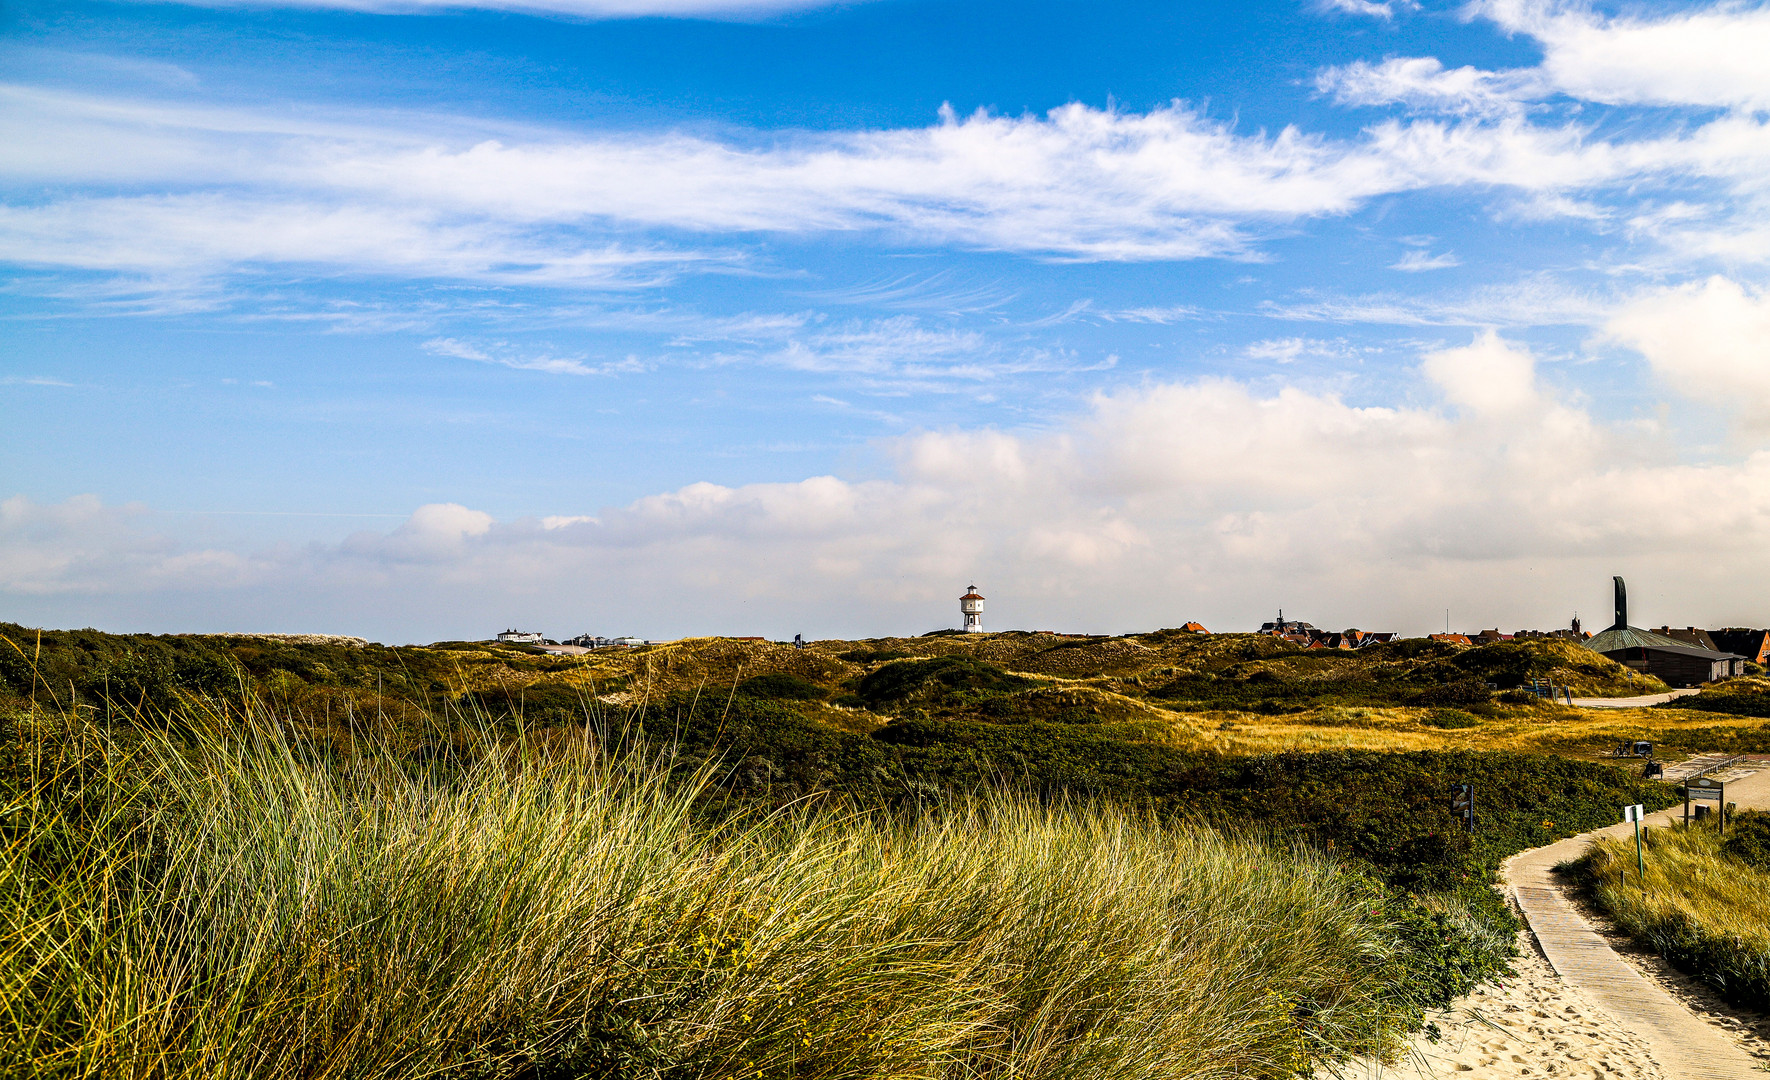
point(1713, 793)
point(1636, 812)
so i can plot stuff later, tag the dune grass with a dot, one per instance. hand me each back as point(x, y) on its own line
point(1702, 908)
point(216, 898)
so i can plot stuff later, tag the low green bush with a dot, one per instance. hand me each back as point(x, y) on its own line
point(1738, 697)
point(1460, 692)
point(1748, 838)
point(873, 656)
point(783, 686)
point(1742, 740)
point(936, 679)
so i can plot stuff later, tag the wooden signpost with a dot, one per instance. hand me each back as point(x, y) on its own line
point(1706, 790)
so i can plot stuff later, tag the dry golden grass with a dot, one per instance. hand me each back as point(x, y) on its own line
point(1528, 729)
point(1707, 912)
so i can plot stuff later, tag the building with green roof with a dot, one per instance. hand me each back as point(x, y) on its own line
point(1673, 662)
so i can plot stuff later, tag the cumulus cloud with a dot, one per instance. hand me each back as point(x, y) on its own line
point(1711, 56)
point(1708, 340)
point(1199, 498)
point(1490, 377)
point(83, 547)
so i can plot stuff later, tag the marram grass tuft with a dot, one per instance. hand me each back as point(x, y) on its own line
point(217, 899)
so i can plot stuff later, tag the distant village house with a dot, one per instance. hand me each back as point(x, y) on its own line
point(1301, 633)
point(1754, 645)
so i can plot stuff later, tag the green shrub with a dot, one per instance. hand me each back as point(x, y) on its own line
point(1748, 838)
point(1518, 697)
point(936, 678)
point(541, 704)
point(1746, 740)
point(1739, 697)
point(783, 686)
point(1457, 693)
point(873, 656)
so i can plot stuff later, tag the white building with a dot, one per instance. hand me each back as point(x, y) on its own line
point(596, 641)
point(971, 606)
point(522, 637)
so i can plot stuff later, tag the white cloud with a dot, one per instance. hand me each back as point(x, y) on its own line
point(1490, 377)
point(505, 355)
point(425, 196)
point(1166, 501)
point(177, 235)
point(1711, 56)
point(896, 353)
point(83, 547)
point(1282, 350)
point(1376, 10)
point(1422, 82)
point(1538, 300)
point(1706, 340)
point(441, 197)
point(1076, 183)
point(1289, 350)
point(1414, 262)
point(1160, 316)
point(903, 351)
point(37, 380)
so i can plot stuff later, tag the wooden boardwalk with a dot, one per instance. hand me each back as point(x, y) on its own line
point(1682, 1043)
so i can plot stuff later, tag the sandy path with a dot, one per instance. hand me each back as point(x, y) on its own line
point(1640, 702)
point(1687, 1046)
point(1540, 1024)
point(1533, 1025)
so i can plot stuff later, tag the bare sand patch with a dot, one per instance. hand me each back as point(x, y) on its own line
point(1531, 1025)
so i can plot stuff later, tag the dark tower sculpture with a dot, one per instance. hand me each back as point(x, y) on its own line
point(1622, 606)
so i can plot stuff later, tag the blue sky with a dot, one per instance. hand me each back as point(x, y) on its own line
point(687, 316)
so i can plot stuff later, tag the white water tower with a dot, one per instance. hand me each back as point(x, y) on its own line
point(971, 606)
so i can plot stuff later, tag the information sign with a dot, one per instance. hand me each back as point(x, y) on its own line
point(1637, 814)
point(1706, 789)
point(1462, 804)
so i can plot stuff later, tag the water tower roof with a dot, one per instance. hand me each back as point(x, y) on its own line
point(971, 593)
